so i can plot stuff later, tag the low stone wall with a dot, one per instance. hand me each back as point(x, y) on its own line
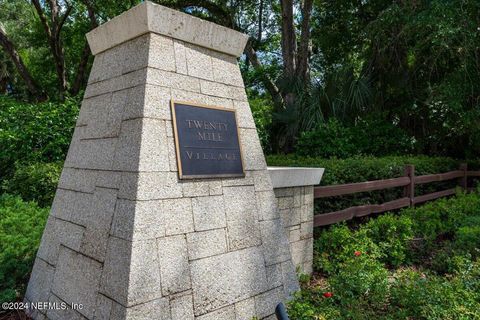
point(293, 189)
point(296, 210)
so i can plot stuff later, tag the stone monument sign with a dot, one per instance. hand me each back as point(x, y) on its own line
point(148, 223)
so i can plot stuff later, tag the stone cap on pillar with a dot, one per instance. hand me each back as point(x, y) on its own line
point(150, 17)
point(285, 177)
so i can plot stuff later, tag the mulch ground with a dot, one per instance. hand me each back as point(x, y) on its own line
point(13, 315)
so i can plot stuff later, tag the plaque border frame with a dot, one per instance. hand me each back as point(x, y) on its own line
point(177, 146)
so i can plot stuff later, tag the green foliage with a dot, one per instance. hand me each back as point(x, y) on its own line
point(335, 248)
point(412, 66)
point(262, 115)
point(374, 136)
point(368, 137)
point(392, 234)
point(414, 61)
point(406, 293)
point(363, 281)
point(468, 238)
point(420, 295)
point(32, 133)
point(443, 217)
point(327, 140)
point(35, 182)
point(21, 227)
point(440, 256)
point(309, 304)
point(370, 275)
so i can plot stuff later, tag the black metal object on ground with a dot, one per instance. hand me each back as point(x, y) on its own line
point(281, 312)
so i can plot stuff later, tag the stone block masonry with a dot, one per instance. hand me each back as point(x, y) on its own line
point(293, 189)
point(126, 238)
point(296, 210)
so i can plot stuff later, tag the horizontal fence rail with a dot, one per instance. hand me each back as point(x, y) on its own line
point(439, 177)
point(408, 182)
point(343, 189)
point(359, 211)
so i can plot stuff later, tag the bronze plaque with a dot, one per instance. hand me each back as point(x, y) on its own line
point(206, 140)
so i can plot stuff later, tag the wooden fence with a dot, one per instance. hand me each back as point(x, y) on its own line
point(408, 182)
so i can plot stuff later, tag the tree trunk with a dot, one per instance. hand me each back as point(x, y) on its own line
point(54, 40)
point(304, 45)
point(86, 53)
point(21, 68)
point(260, 21)
point(81, 71)
point(3, 85)
point(289, 45)
point(267, 82)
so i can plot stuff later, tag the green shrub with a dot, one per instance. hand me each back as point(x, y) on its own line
point(262, 115)
point(328, 140)
point(381, 281)
point(32, 133)
point(418, 295)
point(372, 137)
point(366, 290)
point(392, 234)
point(21, 227)
point(439, 257)
point(334, 248)
point(444, 216)
point(377, 137)
point(362, 280)
point(309, 304)
point(407, 294)
point(467, 238)
point(36, 182)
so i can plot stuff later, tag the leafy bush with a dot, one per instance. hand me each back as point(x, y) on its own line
point(32, 133)
point(262, 115)
point(368, 137)
point(361, 280)
point(335, 248)
point(468, 238)
point(438, 257)
point(21, 227)
point(406, 293)
point(309, 304)
point(36, 182)
point(328, 140)
point(377, 137)
point(419, 295)
point(392, 234)
point(368, 273)
point(444, 217)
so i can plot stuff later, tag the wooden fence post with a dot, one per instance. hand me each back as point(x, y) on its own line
point(410, 188)
point(463, 180)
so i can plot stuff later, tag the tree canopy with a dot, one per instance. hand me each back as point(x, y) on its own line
point(412, 64)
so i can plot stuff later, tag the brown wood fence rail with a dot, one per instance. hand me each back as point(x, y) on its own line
point(408, 182)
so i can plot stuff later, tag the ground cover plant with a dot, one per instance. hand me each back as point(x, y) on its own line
point(421, 263)
point(21, 227)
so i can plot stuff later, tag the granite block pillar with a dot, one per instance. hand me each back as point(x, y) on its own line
point(126, 238)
